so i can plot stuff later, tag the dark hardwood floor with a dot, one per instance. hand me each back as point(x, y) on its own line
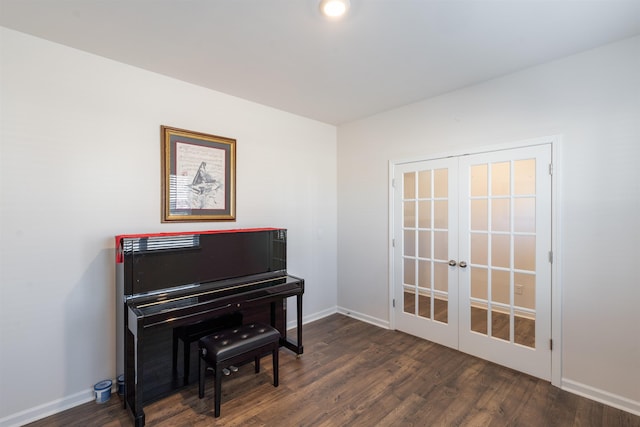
point(356, 374)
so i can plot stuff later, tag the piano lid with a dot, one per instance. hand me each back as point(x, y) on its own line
point(178, 235)
point(160, 261)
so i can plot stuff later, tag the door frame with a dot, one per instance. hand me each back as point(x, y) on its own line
point(556, 285)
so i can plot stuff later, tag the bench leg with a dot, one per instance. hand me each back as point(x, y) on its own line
point(218, 396)
point(202, 368)
point(275, 366)
point(257, 364)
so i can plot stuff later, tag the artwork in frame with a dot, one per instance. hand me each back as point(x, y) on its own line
point(198, 176)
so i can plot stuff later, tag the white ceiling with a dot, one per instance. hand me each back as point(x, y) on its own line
point(282, 53)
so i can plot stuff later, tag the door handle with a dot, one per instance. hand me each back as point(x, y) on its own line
point(453, 263)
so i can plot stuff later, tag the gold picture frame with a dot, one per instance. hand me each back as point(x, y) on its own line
point(198, 176)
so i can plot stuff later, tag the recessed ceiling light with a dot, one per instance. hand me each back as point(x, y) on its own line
point(334, 8)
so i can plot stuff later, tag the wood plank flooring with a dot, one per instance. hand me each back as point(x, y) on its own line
point(356, 374)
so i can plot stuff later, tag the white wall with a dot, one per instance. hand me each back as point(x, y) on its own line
point(80, 163)
point(593, 101)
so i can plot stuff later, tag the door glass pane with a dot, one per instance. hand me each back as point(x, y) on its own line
point(524, 290)
point(524, 172)
point(479, 215)
point(424, 244)
point(441, 276)
point(500, 326)
point(440, 183)
point(479, 245)
point(500, 250)
point(424, 184)
point(440, 309)
point(479, 318)
point(409, 271)
point(500, 179)
point(524, 248)
point(479, 283)
point(409, 303)
point(424, 274)
point(409, 243)
point(479, 181)
point(524, 215)
point(441, 245)
point(440, 214)
point(409, 214)
point(424, 305)
point(525, 329)
point(500, 215)
point(424, 214)
point(409, 185)
point(500, 286)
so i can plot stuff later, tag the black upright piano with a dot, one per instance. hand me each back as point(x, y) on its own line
point(195, 281)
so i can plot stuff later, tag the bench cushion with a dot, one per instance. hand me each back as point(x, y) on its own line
point(235, 341)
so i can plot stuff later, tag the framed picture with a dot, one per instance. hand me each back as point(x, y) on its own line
point(198, 176)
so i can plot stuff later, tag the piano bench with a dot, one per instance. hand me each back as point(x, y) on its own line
point(190, 333)
point(235, 346)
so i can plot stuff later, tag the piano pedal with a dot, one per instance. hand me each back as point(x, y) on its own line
point(225, 371)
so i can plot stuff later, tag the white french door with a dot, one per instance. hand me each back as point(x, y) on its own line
point(471, 254)
point(426, 232)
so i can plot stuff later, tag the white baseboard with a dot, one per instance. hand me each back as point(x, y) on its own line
point(601, 396)
point(319, 315)
point(364, 317)
point(44, 410)
point(312, 317)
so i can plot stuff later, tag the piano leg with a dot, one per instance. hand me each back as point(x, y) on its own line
point(134, 370)
point(295, 347)
point(138, 411)
point(300, 349)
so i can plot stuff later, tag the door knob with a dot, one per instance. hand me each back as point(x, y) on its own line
point(462, 264)
point(452, 263)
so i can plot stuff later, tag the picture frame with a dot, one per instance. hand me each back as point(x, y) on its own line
point(198, 176)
